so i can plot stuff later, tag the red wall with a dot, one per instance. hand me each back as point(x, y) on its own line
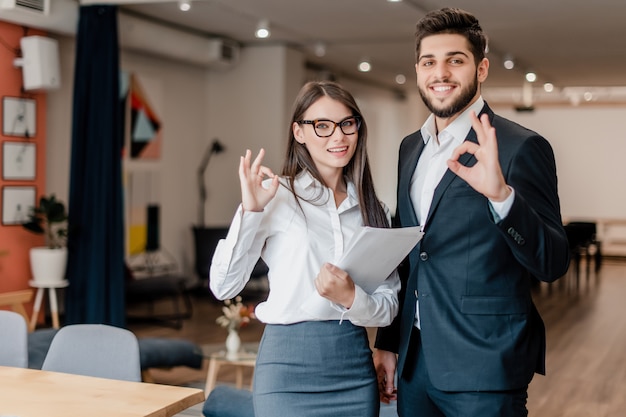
point(15, 241)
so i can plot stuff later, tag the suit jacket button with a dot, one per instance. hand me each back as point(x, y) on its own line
point(424, 256)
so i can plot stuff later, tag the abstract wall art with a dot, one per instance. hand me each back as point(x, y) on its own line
point(145, 125)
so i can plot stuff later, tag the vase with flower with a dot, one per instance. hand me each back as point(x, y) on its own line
point(235, 316)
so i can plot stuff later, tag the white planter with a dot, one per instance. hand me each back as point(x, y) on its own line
point(48, 265)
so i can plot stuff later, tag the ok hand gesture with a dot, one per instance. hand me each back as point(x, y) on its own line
point(486, 175)
point(254, 197)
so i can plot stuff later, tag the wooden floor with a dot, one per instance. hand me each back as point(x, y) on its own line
point(586, 337)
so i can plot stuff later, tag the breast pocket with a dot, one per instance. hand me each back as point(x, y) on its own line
point(461, 189)
point(494, 305)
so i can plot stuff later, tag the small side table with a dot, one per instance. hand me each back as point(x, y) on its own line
point(52, 295)
point(217, 359)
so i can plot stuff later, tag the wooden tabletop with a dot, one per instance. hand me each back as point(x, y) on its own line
point(36, 393)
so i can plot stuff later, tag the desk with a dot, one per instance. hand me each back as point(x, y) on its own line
point(52, 295)
point(246, 358)
point(35, 393)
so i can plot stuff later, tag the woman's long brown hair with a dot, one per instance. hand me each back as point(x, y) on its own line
point(357, 170)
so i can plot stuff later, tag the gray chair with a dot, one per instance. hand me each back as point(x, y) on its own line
point(14, 342)
point(95, 350)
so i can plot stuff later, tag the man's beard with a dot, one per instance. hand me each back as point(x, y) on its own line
point(455, 107)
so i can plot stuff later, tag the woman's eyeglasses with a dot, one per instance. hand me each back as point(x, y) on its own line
point(325, 128)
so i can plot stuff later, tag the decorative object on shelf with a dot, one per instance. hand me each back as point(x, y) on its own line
point(48, 263)
point(235, 316)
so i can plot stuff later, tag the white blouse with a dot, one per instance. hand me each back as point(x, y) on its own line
point(295, 241)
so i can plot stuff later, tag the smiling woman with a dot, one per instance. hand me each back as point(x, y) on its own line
point(325, 193)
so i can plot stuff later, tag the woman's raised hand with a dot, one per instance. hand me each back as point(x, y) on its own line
point(254, 197)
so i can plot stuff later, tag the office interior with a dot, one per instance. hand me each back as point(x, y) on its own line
point(246, 105)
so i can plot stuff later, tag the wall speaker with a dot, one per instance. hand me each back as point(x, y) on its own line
point(41, 69)
point(152, 238)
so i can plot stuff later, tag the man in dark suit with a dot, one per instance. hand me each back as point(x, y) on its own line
point(484, 189)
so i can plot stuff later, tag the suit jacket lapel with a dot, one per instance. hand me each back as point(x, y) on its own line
point(407, 168)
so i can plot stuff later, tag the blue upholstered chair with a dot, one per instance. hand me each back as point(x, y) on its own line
point(227, 401)
point(95, 350)
point(14, 341)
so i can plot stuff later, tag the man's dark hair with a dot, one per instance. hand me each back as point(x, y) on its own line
point(453, 21)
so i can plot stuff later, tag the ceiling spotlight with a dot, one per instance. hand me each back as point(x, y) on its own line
point(263, 29)
point(365, 66)
point(548, 87)
point(400, 79)
point(320, 49)
point(508, 63)
point(184, 5)
point(531, 77)
point(588, 96)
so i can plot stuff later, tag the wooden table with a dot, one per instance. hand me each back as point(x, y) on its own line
point(36, 393)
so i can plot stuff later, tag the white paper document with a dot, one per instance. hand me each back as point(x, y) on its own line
point(370, 257)
point(373, 254)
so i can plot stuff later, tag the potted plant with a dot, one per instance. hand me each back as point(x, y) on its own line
point(49, 218)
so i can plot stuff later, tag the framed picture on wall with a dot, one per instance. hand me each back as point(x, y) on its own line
point(16, 204)
point(19, 161)
point(18, 117)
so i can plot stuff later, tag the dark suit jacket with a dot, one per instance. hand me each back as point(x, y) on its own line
point(479, 327)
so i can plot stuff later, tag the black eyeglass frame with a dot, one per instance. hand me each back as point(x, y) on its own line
point(335, 124)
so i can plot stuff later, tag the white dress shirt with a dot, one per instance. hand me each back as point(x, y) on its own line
point(432, 165)
point(295, 241)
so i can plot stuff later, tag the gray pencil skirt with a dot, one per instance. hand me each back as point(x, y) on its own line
point(315, 369)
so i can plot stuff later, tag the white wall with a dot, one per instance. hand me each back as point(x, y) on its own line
point(249, 108)
point(589, 145)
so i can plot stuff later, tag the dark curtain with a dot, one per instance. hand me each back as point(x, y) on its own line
point(95, 267)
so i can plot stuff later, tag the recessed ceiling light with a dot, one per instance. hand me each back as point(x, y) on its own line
point(263, 29)
point(365, 66)
point(508, 63)
point(531, 77)
point(184, 5)
point(320, 49)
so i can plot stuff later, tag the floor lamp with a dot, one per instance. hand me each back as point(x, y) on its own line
point(215, 147)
